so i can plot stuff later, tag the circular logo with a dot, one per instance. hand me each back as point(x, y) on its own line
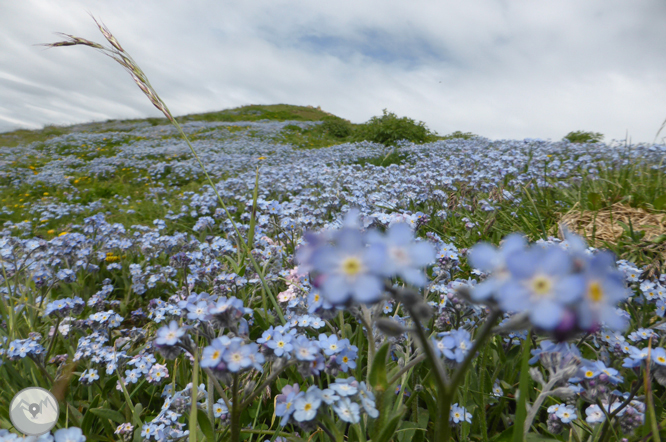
point(34, 411)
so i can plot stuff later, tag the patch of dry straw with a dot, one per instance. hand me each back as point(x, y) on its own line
point(603, 224)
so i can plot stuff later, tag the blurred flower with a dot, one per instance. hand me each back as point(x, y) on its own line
point(604, 289)
point(71, 434)
point(406, 258)
point(542, 284)
point(349, 270)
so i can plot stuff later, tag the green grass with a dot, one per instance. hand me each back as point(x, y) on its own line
point(255, 112)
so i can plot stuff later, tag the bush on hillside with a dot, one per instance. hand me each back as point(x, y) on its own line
point(337, 127)
point(583, 137)
point(458, 134)
point(388, 129)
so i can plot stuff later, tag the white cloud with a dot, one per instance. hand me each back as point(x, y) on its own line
point(508, 69)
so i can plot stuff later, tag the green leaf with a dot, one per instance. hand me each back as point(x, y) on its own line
point(389, 430)
point(504, 436)
point(428, 398)
point(137, 433)
point(531, 437)
point(234, 265)
point(525, 387)
point(259, 317)
point(595, 200)
point(660, 202)
point(138, 408)
point(75, 415)
point(377, 376)
point(114, 415)
point(408, 431)
point(205, 425)
point(86, 425)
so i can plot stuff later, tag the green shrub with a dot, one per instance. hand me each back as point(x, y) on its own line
point(337, 127)
point(583, 137)
point(458, 134)
point(388, 129)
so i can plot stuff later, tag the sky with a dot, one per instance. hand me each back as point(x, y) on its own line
point(503, 69)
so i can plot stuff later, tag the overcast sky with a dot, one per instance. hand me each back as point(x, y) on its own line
point(502, 69)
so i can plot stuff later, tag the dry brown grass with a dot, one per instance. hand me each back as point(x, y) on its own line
point(604, 225)
point(603, 228)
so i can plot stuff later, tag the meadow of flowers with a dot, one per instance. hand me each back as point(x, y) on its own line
point(311, 294)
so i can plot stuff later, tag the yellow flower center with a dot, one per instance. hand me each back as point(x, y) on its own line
point(280, 344)
point(661, 359)
point(216, 354)
point(595, 293)
point(308, 407)
point(351, 266)
point(589, 374)
point(541, 285)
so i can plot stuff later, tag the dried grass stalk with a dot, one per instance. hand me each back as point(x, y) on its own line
point(117, 53)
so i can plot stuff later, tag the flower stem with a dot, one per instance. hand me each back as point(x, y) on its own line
point(235, 411)
point(53, 339)
point(211, 396)
point(366, 319)
point(218, 387)
point(193, 408)
point(443, 429)
point(536, 406)
point(406, 368)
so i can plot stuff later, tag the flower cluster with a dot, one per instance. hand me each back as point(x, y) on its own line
point(166, 425)
point(561, 288)
point(459, 414)
point(347, 398)
point(232, 355)
point(63, 307)
point(630, 417)
point(560, 415)
point(354, 266)
point(20, 348)
point(454, 345)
